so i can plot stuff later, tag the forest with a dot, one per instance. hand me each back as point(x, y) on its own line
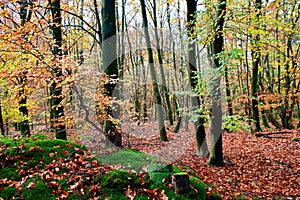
point(149, 99)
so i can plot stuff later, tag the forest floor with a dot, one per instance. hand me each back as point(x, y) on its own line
point(267, 167)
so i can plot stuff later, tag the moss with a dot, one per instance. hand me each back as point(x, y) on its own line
point(176, 169)
point(239, 198)
point(112, 194)
point(128, 159)
point(74, 196)
point(198, 190)
point(157, 177)
point(39, 136)
point(63, 184)
point(295, 139)
point(119, 180)
point(39, 191)
point(215, 196)
point(141, 197)
point(36, 152)
point(8, 192)
point(10, 174)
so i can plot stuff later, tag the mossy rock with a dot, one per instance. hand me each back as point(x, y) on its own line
point(197, 190)
point(119, 180)
point(157, 177)
point(159, 167)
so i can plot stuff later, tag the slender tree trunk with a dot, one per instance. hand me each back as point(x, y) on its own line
point(165, 91)
point(216, 152)
point(25, 15)
point(1, 120)
point(256, 56)
point(57, 122)
point(110, 66)
point(228, 92)
point(158, 101)
point(201, 148)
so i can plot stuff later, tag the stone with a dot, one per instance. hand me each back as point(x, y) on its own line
point(157, 172)
point(159, 167)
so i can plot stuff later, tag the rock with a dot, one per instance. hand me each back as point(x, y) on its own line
point(159, 167)
point(157, 172)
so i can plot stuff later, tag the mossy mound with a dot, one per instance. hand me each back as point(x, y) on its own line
point(38, 168)
point(128, 159)
point(119, 180)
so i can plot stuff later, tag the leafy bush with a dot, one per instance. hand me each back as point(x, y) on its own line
point(235, 123)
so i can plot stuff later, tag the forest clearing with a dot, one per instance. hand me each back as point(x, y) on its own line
point(150, 99)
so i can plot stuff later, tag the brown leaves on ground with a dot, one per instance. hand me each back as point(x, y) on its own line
point(265, 167)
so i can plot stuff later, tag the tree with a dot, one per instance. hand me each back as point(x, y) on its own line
point(25, 15)
point(256, 56)
point(165, 91)
point(110, 66)
point(216, 152)
point(201, 148)
point(56, 96)
point(158, 101)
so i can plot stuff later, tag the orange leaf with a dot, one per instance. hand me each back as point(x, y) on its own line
point(31, 149)
point(51, 155)
point(65, 152)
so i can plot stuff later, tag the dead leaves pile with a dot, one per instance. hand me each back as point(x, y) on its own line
point(263, 167)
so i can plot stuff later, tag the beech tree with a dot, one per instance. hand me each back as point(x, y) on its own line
point(256, 57)
point(193, 77)
point(216, 152)
point(25, 15)
point(110, 66)
point(158, 101)
point(57, 122)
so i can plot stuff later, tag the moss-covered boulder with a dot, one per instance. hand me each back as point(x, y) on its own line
point(157, 172)
point(119, 180)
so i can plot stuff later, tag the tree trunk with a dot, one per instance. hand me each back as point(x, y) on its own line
point(158, 101)
point(25, 15)
point(201, 148)
point(228, 92)
point(57, 122)
point(165, 91)
point(110, 66)
point(216, 152)
point(256, 56)
point(1, 120)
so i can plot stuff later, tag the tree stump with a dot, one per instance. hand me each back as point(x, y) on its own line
point(181, 183)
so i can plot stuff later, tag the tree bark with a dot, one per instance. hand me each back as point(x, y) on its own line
point(158, 101)
point(57, 123)
point(25, 15)
point(165, 91)
point(110, 66)
point(216, 151)
point(256, 56)
point(201, 143)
